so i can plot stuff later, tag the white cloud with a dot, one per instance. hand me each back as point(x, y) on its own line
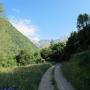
point(26, 28)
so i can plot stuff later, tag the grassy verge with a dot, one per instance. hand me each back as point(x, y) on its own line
point(77, 70)
point(54, 83)
point(22, 78)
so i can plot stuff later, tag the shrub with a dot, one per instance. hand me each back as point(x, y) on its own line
point(24, 58)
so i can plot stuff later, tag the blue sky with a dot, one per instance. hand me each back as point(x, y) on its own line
point(53, 18)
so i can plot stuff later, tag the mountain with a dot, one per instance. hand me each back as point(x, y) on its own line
point(43, 43)
point(46, 43)
point(12, 42)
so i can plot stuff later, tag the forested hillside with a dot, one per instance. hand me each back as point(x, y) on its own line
point(13, 43)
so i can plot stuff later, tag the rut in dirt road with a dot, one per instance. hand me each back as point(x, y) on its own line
point(46, 83)
point(62, 83)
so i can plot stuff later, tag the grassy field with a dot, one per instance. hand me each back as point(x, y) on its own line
point(77, 70)
point(22, 78)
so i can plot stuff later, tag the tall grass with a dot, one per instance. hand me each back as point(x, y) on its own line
point(77, 70)
point(22, 78)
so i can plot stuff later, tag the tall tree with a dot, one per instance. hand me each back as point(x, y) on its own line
point(83, 21)
point(1, 9)
point(80, 22)
point(86, 19)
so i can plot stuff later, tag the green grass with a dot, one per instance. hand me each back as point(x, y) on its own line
point(77, 70)
point(22, 78)
point(54, 83)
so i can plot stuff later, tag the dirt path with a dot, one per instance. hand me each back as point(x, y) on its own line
point(45, 83)
point(62, 83)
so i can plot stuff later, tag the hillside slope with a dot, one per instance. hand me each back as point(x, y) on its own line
point(12, 42)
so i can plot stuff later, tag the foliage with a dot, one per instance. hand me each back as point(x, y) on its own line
point(24, 58)
point(57, 51)
point(77, 42)
point(22, 78)
point(45, 53)
point(77, 70)
point(71, 45)
point(84, 38)
point(54, 52)
point(1, 9)
point(80, 40)
point(83, 21)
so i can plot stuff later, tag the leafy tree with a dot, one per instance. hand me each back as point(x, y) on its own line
point(57, 51)
point(54, 52)
point(24, 58)
point(86, 19)
point(79, 41)
point(71, 45)
point(83, 21)
point(84, 38)
point(80, 22)
point(38, 58)
point(45, 53)
point(52, 43)
point(72, 40)
point(1, 9)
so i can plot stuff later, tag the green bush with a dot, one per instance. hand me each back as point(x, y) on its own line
point(24, 58)
point(54, 52)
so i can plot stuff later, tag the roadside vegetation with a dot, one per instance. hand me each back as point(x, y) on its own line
point(73, 53)
point(77, 70)
point(77, 67)
point(22, 78)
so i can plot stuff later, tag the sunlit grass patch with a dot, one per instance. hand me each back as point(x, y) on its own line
point(22, 78)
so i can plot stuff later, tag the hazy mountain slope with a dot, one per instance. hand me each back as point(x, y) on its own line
point(11, 42)
point(43, 43)
point(46, 43)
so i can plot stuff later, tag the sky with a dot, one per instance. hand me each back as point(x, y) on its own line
point(45, 19)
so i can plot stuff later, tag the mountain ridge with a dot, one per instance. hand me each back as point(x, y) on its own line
point(46, 43)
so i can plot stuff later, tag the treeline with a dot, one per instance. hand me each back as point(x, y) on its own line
point(78, 41)
point(54, 52)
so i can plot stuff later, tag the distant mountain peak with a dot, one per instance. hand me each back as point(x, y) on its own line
point(46, 43)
